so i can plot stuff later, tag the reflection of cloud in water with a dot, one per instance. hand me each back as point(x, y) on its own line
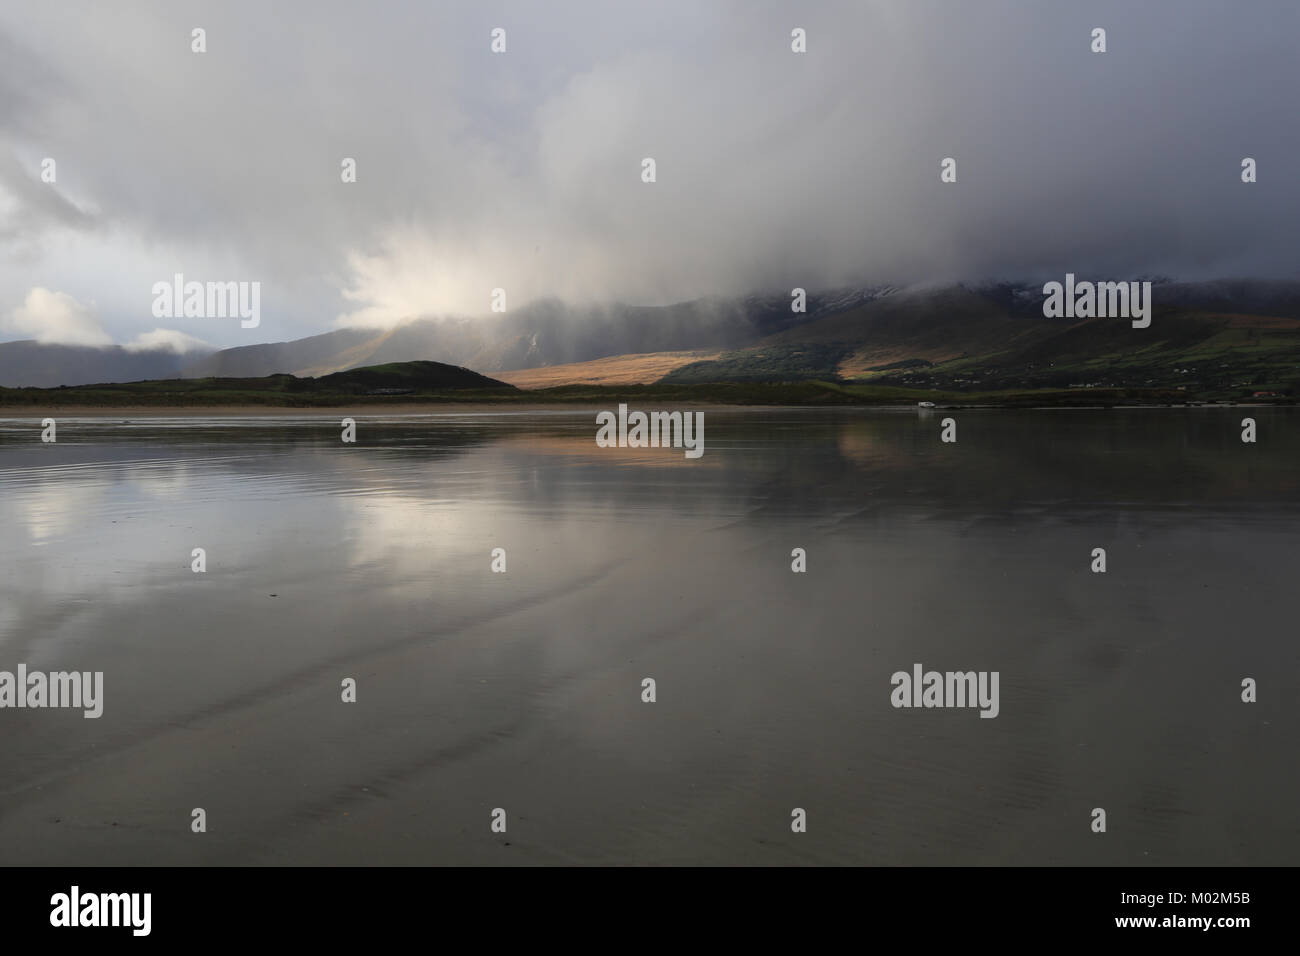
point(54, 508)
point(173, 481)
point(400, 532)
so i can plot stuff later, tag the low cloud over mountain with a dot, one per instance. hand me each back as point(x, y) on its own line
point(522, 170)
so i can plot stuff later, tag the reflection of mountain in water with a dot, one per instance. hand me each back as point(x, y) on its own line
point(794, 461)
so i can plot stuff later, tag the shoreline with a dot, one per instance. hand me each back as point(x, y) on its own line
point(24, 413)
point(352, 411)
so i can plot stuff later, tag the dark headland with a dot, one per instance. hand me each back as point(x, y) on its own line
point(406, 384)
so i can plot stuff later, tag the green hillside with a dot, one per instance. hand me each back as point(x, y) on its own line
point(963, 342)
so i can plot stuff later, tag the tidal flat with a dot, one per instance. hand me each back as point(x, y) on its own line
point(522, 690)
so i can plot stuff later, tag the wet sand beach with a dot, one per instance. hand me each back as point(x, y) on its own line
point(522, 690)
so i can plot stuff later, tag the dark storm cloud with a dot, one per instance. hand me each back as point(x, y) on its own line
point(522, 170)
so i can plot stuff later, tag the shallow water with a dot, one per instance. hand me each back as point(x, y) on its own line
point(522, 691)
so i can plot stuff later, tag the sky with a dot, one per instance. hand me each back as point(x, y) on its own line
point(522, 170)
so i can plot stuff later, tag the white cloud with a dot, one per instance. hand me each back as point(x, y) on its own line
point(168, 340)
point(55, 318)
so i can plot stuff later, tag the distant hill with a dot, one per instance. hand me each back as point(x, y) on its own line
point(30, 363)
point(538, 335)
point(398, 382)
point(424, 383)
point(1226, 338)
point(314, 355)
point(955, 337)
point(1205, 338)
point(401, 377)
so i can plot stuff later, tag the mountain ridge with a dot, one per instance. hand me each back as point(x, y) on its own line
point(844, 334)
